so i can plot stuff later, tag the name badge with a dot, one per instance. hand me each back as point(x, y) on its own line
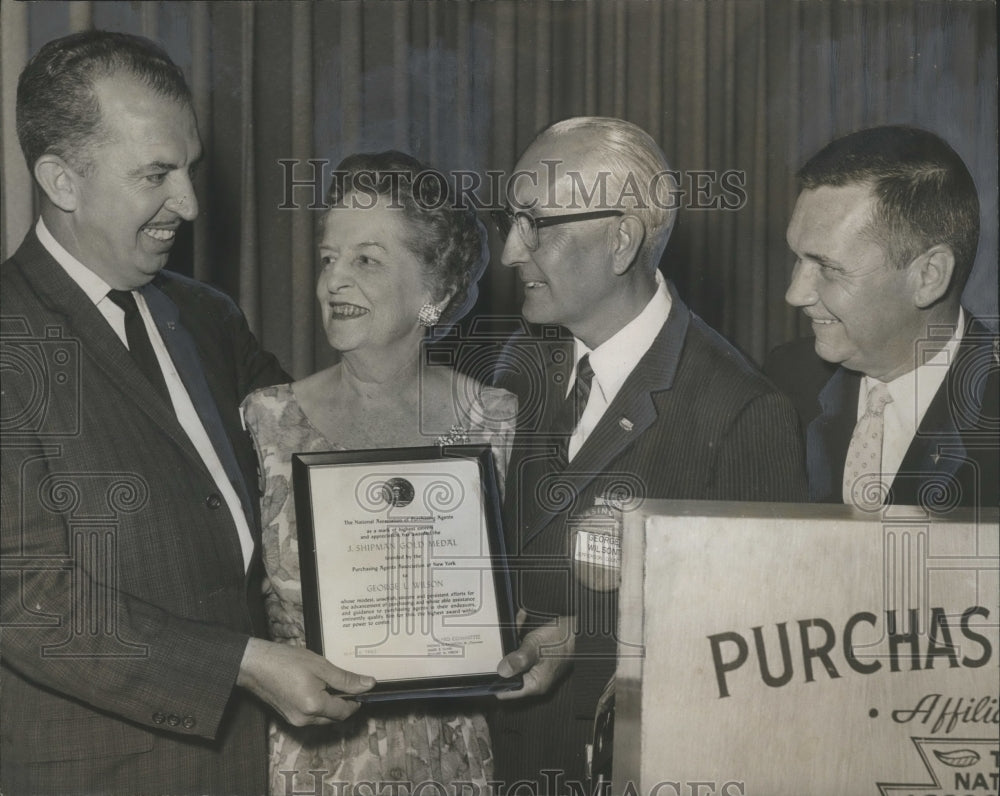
point(597, 546)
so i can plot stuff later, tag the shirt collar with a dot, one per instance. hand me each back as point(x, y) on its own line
point(89, 282)
point(615, 359)
point(918, 387)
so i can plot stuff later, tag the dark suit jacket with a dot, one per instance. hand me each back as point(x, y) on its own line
point(693, 421)
point(126, 608)
point(953, 459)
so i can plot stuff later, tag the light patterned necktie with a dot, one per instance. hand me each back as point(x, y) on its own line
point(862, 469)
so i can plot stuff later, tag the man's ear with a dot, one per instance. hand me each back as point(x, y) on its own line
point(59, 181)
point(628, 238)
point(932, 273)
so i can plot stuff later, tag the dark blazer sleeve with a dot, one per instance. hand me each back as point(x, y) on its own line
point(230, 352)
point(797, 371)
point(75, 619)
point(743, 438)
point(761, 456)
point(255, 367)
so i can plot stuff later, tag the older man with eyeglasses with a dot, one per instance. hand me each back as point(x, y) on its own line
point(624, 394)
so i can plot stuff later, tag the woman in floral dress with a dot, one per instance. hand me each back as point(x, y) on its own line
point(395, 258)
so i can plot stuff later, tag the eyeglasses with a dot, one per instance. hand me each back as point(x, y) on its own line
point(528, 225)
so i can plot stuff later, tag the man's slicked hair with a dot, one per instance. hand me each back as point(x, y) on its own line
point(635, 160)
point(924, 192)
point(57, 110)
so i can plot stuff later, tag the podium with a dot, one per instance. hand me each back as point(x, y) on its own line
point(807, 649)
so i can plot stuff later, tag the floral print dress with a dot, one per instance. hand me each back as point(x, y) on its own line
point(445, 742)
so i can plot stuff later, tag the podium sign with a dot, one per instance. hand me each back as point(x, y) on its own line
point(774, 650)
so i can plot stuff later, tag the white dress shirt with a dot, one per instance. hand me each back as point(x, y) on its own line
point(614, 360)
point(912, 394)
point(97, 291)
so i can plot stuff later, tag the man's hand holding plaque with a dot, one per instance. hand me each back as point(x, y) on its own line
point(544, 656)
point(303, 687)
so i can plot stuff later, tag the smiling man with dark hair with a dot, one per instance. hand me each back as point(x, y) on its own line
point(898, 390)
point(132, 580)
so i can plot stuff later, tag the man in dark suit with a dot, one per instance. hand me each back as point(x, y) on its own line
point(885, 232)
point(131, 571)
point(638, 397)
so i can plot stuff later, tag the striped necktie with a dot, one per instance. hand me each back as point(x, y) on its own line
point(581, 391)
point(572, 409)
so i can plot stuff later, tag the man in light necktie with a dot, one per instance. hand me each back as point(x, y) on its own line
point(863, 468)
point(885, 232)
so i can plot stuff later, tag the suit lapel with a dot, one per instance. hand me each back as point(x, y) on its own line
point(98, 341)
point(936, 449)
point(184, 353)
point(630, 414)
point(938, 446)
point(829, 435)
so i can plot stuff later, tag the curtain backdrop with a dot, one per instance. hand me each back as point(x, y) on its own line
point(720, 84)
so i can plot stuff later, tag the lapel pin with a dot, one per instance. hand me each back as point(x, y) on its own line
point(625, 423)
point(171, 325)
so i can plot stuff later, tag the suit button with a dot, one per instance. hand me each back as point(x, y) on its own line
point(213, 501)
point(188, 722)
point(159, 718)
point(396, 774)
point(173, 719)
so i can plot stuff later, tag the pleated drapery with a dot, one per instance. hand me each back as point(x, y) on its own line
point(723, 85)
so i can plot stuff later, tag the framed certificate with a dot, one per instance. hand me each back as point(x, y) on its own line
point(403, 571)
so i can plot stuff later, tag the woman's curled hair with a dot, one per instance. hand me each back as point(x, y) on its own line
point(449, 239)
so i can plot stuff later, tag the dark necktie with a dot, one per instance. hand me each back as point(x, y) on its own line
point(581, 391)
point(572, 409)
point(139, 345)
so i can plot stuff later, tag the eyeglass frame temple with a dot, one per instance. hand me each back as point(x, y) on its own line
point(551, 221)
point(506, 220)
